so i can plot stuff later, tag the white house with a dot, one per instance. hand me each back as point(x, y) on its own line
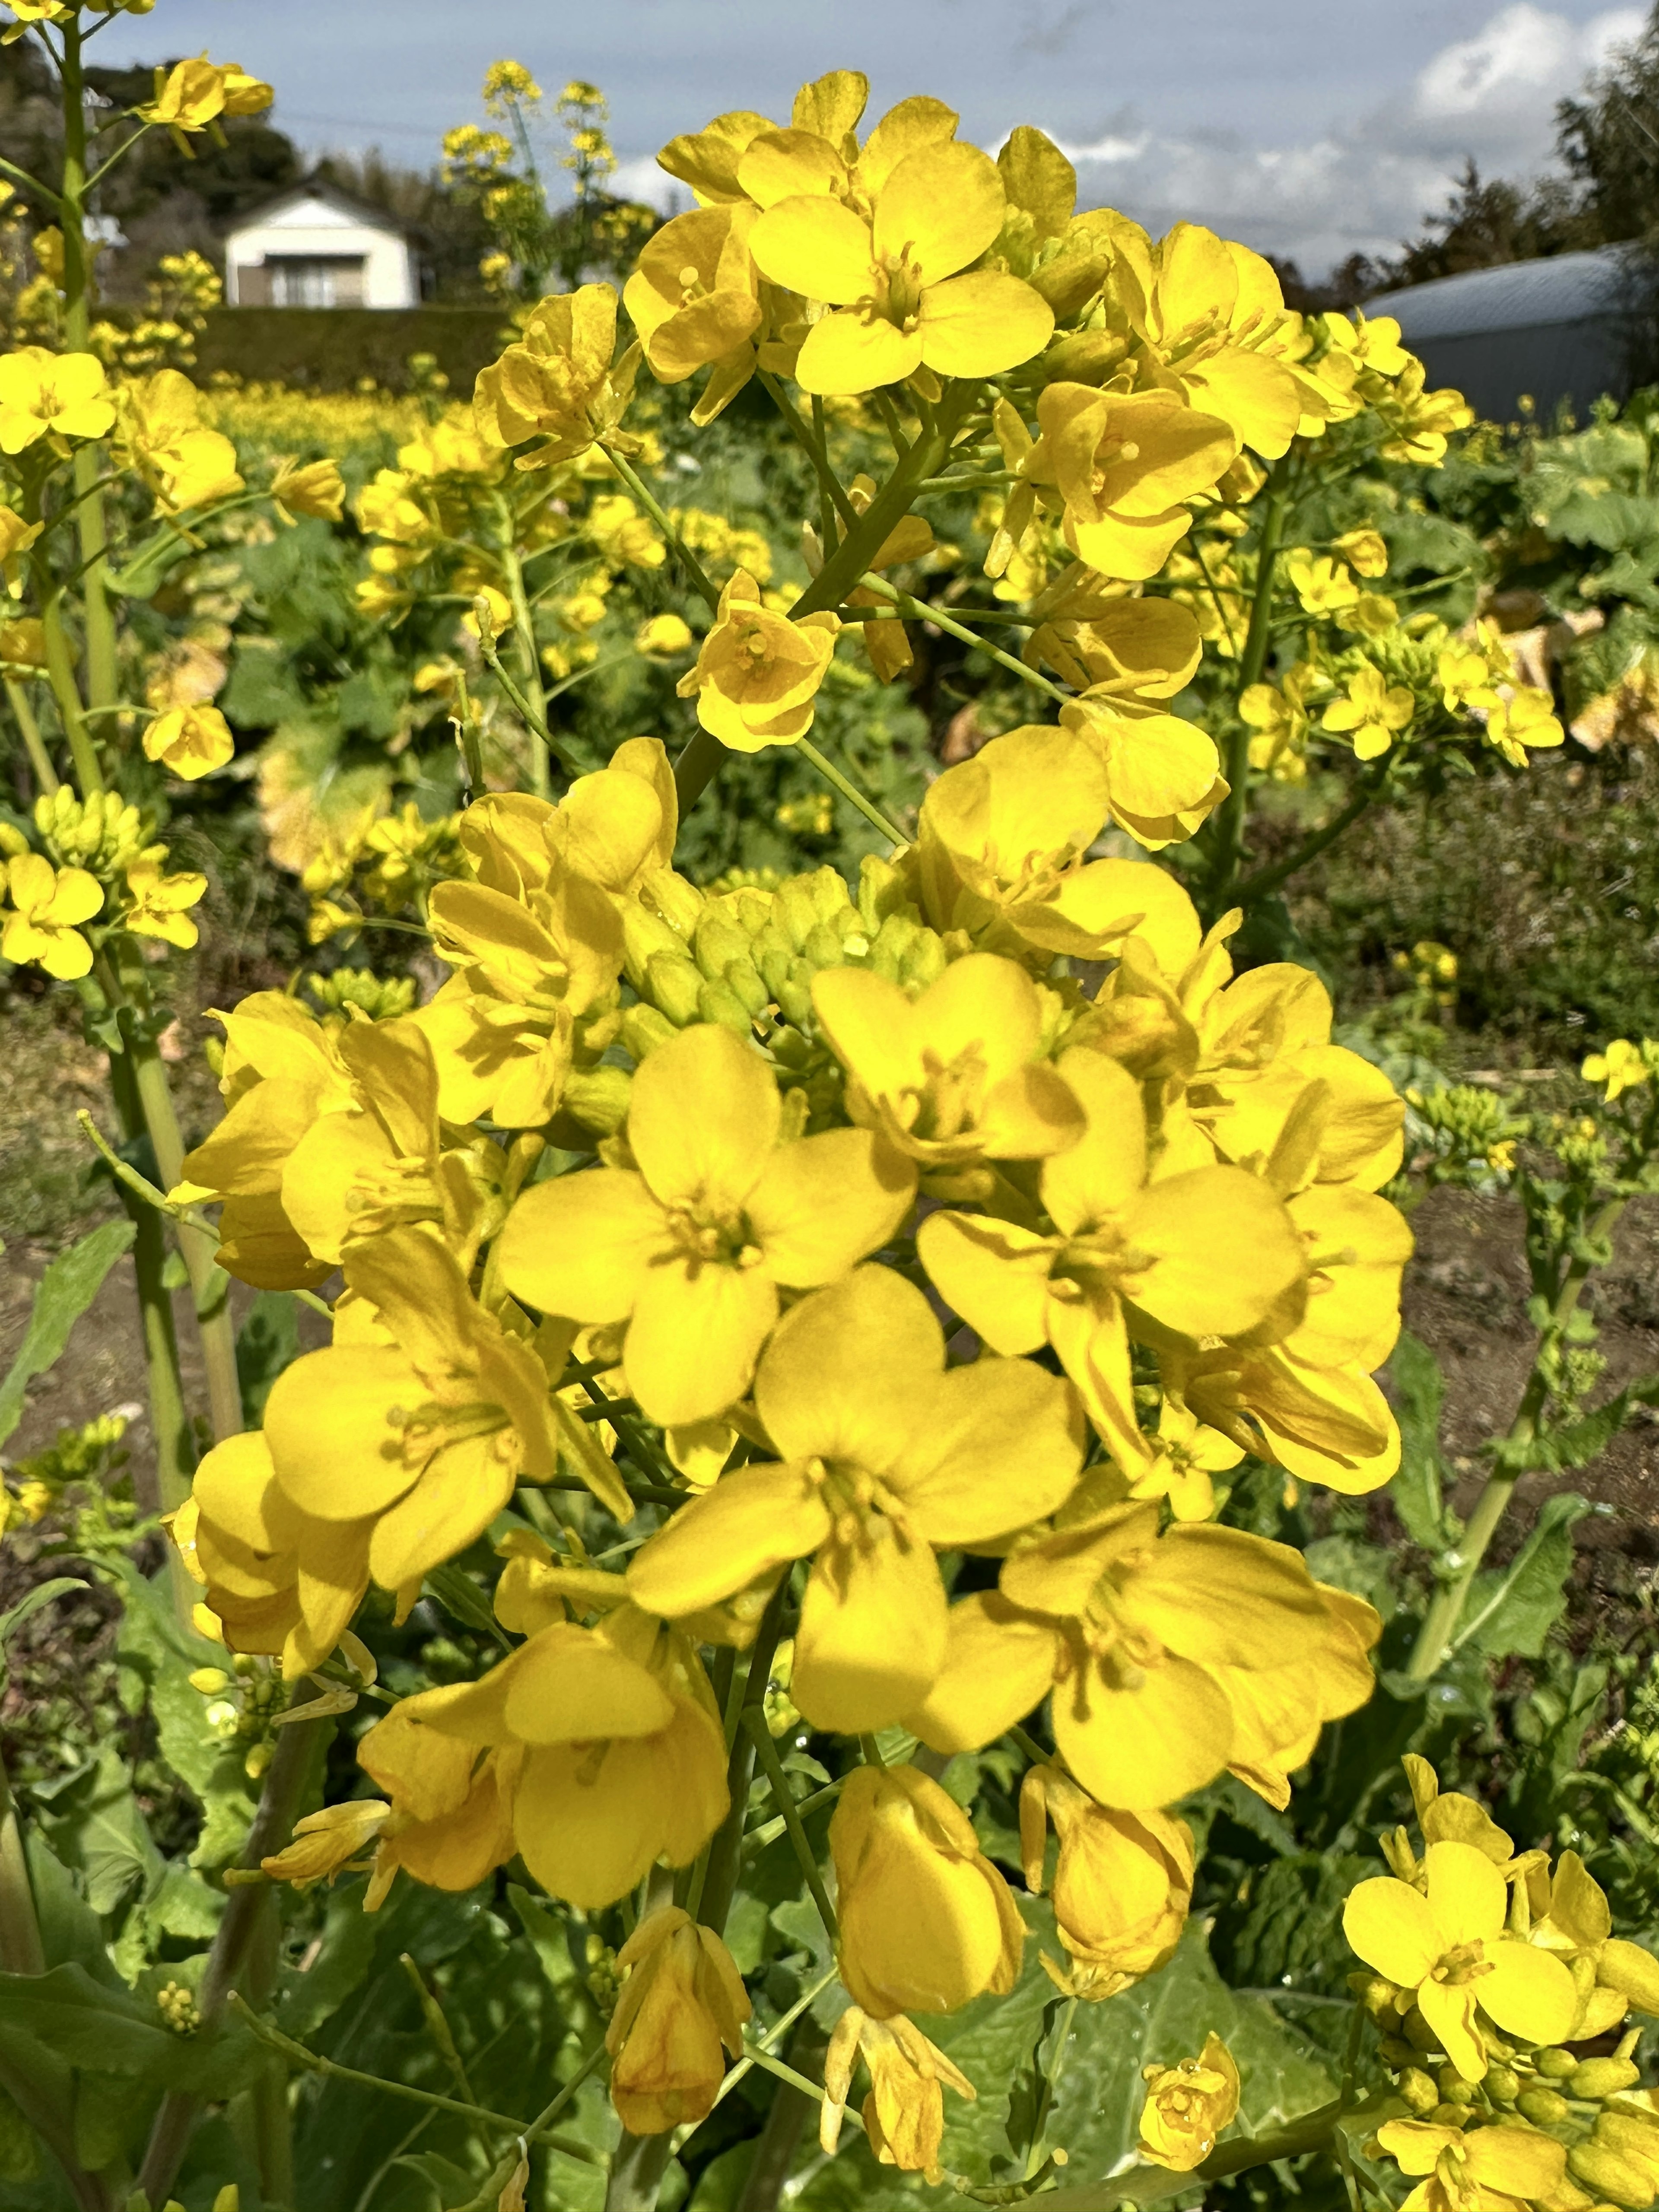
point(314, 248)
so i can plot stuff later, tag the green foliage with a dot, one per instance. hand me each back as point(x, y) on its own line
point(68, 1287)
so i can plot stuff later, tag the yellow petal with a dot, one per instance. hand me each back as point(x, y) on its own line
point(1221, 1250)
point(1099, 1179)
point(823, 1203)
point(1224, 1597)
point(335, 1452)
point(998, 1447)
point(814, 246)
point(572, 1686)
point(1388, 1924)
point(695, 1334)
point(1137, 1749)
point(997, 1664)
point(703, 1119)
point(852, 1673)
point(940, 208)
point(845, 1370)
point(1449, 2008)
point(1516, 2162)
point(853, 352)
point(461, 1489)
point(1528, 1993)
point(781, 165)
point(586, 1818)
point(981, 324)
point(994, 1274)
point(1468, 1896)
point(581, 1245)
point(753, 1519)
point(913, 124)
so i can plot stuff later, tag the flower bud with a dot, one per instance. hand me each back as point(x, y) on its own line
point(1454, 2088)
point(1546, 2108)
point(926, 1921)
point(1501, 2085)
point(683, 2000)
point(1595, 2078)
point(1631, 1970)
point(1123, 1881)
point(1188, 2106)
point(1555, 2065)
point(1621, 2180)
point(1416, 2090)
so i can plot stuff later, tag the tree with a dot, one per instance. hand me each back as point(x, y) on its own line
point(1609, 141)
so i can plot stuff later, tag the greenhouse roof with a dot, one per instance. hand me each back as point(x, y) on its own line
point(1567, 287)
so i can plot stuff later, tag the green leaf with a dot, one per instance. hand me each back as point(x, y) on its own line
point(31, 1602)
point(71, 1933)
point(143, 575)
point(1419, 1491)
point(62, 1296)
point(267, 1343)
point(457, 1592)
point(1509, 1613)
point(78, 2021)
point(1577, 1442)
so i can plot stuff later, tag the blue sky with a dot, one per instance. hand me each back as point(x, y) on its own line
point(1307, 127)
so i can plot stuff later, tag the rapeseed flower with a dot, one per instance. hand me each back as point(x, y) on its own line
point(1485, 2170)
point(688, 1246)
point(904, 2112)
point(886, 1458)
point(758, 672)
point(45, 394)
point(1188, 2106)
point(192, 741)
point(682, 2002)
point(41, 925)
point(1122, 1885)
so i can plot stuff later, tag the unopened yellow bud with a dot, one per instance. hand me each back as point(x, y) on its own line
point(1188, 2106)
point(683, 2000)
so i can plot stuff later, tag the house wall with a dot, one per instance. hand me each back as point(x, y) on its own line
point(312, 230)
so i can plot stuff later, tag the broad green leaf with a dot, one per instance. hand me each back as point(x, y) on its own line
point(76, 2019)
point(70, 1933)
point(1417, 1494)
point(65, 1291)
point(1511, 1612)
point(20, 2154)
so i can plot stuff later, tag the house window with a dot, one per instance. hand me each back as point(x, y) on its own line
point(315, 281)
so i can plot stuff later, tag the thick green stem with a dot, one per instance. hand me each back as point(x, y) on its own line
point(1264, 880)
point(99, 619)
point(246, 1907)
point(1234, 809)
point(1149, 2184)
point(1434, 1639)
point(33, 744)
point(169, 1423)
point(637, 2166)
point(21, 1948)
point(754, 1719)
point(60, 673)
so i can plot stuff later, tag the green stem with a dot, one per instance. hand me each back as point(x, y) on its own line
point(1149, 2184)
point(695, 574)
point(637, 2166)
point(40, 759)
point(849, 791)
point(60, 674)
point(21, 1951)
point(1062, 2032)
point(51, 2123)
point(97, 615)
point(754, 1719)
point(725, 1851)
point(1434, 1639)
point(524, 629)
point(1268, 879)
point(814, 444)
point(246, 1908)
point(921, 611)
point(169, 1423)
point(1231, 814)
point(127, 987)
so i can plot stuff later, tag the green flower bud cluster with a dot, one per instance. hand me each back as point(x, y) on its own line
point(383, 999)
point(1470, 1132)
point(178, 2009)
point(104, 835)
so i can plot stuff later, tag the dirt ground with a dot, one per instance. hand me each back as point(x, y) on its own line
point(1465, 1295)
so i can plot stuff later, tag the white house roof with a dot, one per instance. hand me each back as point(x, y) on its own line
point(1567, 287)
point(316, 207)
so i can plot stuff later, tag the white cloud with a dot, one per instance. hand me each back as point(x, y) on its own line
point(1363, 189)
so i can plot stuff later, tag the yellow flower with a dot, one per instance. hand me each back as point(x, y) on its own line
point(161, 904)
point(1447, 1943)
point(690, 1246)
point(450, 1822)
point(1526, 718)
point(192, 741)
point(193, 93)
point(695, 301)
point(1171, 1656)
point(886, 1457)
point(1164, 774)
point(952, 1078)
point(185, 464)
point(664, 634)
point(1323, 587)
point(683, 2000)
point(41, 392)
point(889, 268)
point(623, 1755)
point(16, 536)
point(1188, 1455)
point(904, 2112)
point(325, 1843)
point(1209, 1253)
point(24, 644)
point(278, 1580)
point(557, 384)
point(1365, 551)
point(1000, 842)
point(1123, 464)
point(1621, 1066)
point(926, 1921)
point(46, 905)
point(312, 488)
point(1487, 2169)
point(1123, 1883)
point(757, 673)
point(1188, 2106)
point(1372, 711)
point(427, 1428)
